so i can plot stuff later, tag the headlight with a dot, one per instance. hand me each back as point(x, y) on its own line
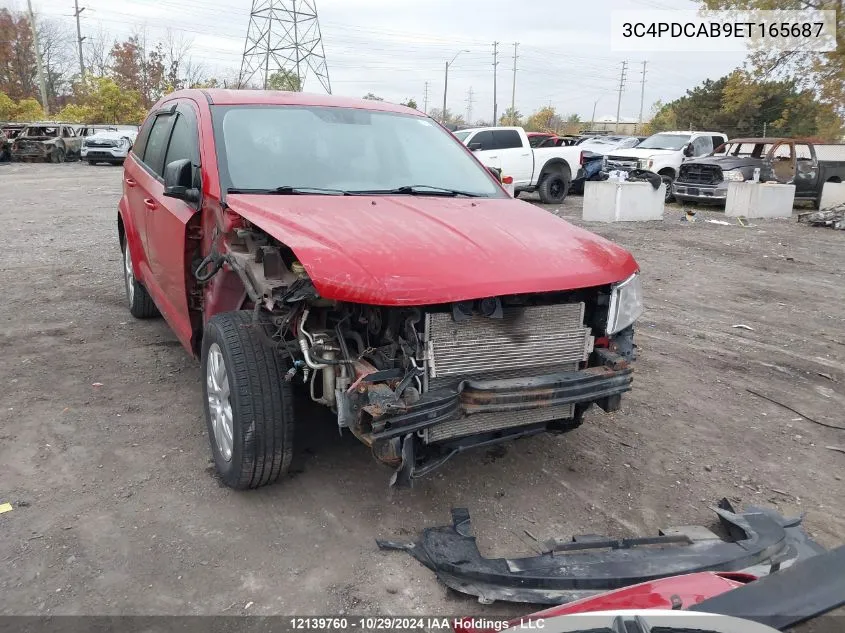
point(733, 175)
point(124, 142)
point(626, 304)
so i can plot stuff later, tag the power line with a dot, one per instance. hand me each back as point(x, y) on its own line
point(622, 77)
point(284, 35)
point(495, 64)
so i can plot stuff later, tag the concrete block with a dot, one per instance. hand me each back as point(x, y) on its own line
point(833, 194)
point(759, 200)
point(613, 201)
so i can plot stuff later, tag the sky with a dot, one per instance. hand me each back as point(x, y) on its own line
point(393, 47)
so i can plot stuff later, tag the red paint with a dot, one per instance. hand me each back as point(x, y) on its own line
point(415, 250)
point(403, 250)
point(657, 594)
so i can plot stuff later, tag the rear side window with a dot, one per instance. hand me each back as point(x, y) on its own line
point(484, 139)
point(506, 139)
point(141, 141)
point(157, 143)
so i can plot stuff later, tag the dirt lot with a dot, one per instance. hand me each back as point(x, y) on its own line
point(104, 455)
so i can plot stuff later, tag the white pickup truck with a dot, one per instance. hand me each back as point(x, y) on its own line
point(547, 170)
point(664, 152)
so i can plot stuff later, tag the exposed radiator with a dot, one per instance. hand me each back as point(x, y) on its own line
point(527, 341)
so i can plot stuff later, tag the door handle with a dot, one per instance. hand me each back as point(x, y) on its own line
point(150, 204)
point(130, 181)
point(492, 157)
point(526, 154)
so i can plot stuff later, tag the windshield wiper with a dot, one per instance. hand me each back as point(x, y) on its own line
point(289, 190)
point(419, 190)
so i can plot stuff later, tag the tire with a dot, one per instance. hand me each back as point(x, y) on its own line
point(668, 180)
point(243, 381)
point(141, 305)
point(554, 187)
point(57, 155)
point(92, 162)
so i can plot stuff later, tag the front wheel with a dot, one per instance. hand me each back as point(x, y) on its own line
point(248, 403)
point(553, 188)
point(668, 181)
point(57, 155)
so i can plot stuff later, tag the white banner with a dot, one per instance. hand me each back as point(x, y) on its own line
point(722, 31)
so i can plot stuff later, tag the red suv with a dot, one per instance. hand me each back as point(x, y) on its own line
point(355, 253)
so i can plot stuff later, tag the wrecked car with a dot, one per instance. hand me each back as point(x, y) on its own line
point(108, 146)
point(52, 142)
point(804, 164)
point(354, 252)
point(8, 133)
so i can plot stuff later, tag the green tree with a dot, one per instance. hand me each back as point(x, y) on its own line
point(371, 97)
point(23, 110)
point(543, 120)
point(822, 72)
point(410, 103)
point(284, 80)
point(739, 105)
point(101, 100)
point(511, 117)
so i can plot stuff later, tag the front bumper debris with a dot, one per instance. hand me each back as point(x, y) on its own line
point(760, 541)
point(700, 193)
point(507, 395)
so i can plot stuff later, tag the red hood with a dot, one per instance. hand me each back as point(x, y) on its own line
point(413, 250)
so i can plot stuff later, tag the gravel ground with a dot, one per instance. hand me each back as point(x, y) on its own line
point(104, 455)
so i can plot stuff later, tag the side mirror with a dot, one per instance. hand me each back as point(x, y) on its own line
point(688, 150)
point(474, 147)
point(497, 173)
point(179, 180)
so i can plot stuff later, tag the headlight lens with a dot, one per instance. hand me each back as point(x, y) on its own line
point(626, 304)
point(733, 175)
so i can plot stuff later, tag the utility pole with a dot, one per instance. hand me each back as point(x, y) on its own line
point(79, 38)
point(425, 99)
point(446, 83)
point(764, 129)
point(621, 88)
point(495, 102)
point(593, 118)
point(469, 106)
point(642, 100)
point(41, 80)
point(513, 85)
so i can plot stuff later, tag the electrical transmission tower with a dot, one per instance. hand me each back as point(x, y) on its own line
point(284, 36)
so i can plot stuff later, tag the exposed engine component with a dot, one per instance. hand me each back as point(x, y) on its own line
point(414, 382)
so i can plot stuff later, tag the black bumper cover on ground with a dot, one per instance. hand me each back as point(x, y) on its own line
point(761, 541)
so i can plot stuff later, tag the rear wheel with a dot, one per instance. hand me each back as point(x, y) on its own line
point(141, 305)
point(92, 162)
point(248, 404)
point(57, 155)
point(554, 187)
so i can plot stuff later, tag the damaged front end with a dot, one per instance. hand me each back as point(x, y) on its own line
point(759, 541)
point(421, 384)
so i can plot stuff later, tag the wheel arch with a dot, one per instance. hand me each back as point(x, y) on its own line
point(555, 165)
point(668, 171)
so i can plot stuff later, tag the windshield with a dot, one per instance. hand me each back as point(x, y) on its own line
point(665, 141)
point(262, 148)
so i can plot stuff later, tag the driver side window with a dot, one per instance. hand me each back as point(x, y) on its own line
point(484, 140)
